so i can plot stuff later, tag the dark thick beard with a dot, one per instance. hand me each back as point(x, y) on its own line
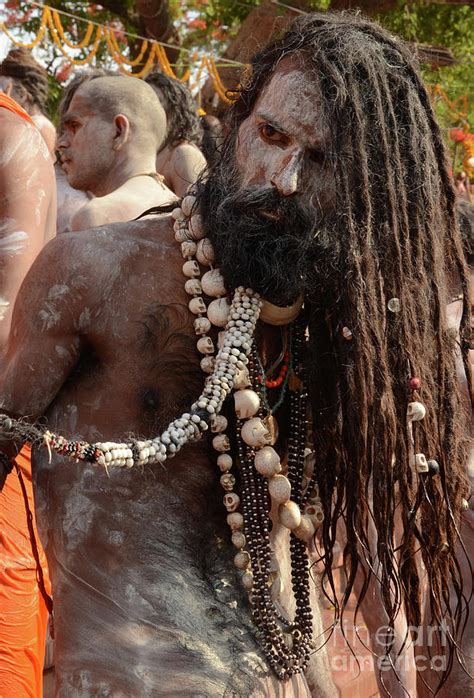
point(273, 254)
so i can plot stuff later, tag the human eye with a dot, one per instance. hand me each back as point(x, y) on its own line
point(272, 135)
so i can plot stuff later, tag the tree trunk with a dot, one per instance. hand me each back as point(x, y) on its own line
point(156, 23)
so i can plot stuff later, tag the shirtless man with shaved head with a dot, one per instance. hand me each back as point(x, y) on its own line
point(293, 307)
point(109, 137)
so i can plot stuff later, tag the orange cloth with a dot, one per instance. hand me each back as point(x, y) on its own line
point(9, 103)
point(23, 611)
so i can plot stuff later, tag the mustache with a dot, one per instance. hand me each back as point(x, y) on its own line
point(265, 204)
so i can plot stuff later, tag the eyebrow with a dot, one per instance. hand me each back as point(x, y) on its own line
point(271, 121)
point(67, 118)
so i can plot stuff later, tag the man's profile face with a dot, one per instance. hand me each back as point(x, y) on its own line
point(283, 144)
point(85, 143)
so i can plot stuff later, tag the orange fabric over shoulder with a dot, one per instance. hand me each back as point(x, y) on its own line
point(23, 610)
point(10, 104)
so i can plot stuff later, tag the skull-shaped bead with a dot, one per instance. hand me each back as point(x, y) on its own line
point(188, 248)
point(247, 403)
point(193, 287)
point(221, 443)
point(227, 482)
point(415, 411)
point(191, 268)
point(224, 462)
point(420, 462)
point(235, 520)
point(218, 423)
point(205, 345)
point(231, 501)
point(267, 461)
point(197, 306)
point(255, 433)
point(202, 327)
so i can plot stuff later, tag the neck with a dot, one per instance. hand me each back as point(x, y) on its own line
point(124, 168)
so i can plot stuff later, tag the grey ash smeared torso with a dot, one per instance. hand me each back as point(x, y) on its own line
point(146, 597)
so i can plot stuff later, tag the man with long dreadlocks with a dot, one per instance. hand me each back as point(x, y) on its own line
point(308, 278)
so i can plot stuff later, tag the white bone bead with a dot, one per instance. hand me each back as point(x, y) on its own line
point(202, 326)
point(224, 462)
point(247, 403)
point(208, 362)
point(289, 515)
point(221, 443)
point(267, 462)
point(247, 581)
point(191, 268)
point(187, 205)
point(305, 531)
point(242, 560)
point(195, 229)
point(213, 283)
point(218, 424)
point(255, 433)
point(238, 540)
point(218, 312)
point(415, 411)
point(420, 462)
point(197, 306)
point(242, 379)
point(193, 287)
point(205, 345)
point(205, 252)
point(181, 235)
point(188, 248)
point(235, 520)
point(227, 481)
point(315, 513)
point(231, 501)
point(279, 488)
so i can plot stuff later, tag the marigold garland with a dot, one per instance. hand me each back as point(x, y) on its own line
point(51, 20)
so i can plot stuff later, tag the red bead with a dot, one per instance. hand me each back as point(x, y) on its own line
point(415, 383)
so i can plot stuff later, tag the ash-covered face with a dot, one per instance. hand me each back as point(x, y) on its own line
point(86, 145)
point(272, 193)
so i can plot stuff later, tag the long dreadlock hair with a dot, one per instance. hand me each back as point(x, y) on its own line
point(396, 236)
point(31, 79)
point(181, 111)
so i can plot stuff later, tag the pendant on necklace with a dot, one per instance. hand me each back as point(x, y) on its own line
point(272, 426)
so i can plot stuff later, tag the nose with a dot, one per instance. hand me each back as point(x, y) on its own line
point(287, 180)
point(61, 140)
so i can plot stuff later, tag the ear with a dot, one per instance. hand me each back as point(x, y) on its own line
point(122, 131)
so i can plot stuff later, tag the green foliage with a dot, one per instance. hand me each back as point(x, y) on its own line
point(451, 26)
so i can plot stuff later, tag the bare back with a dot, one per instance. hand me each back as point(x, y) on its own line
point(27, 206)
point(137, 558)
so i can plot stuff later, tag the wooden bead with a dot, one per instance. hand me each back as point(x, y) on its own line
point(289, 515)
point(279, 488)
point(247, 403)
point(218, 312)
point(267, 462)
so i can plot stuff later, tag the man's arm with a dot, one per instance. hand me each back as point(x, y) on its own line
point(26, 195)
point(44, 344)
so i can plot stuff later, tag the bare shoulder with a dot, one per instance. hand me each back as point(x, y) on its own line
point(19, 138)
